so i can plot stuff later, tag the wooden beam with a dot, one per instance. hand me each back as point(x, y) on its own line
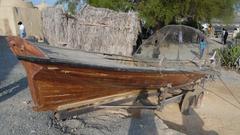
point(99, 101)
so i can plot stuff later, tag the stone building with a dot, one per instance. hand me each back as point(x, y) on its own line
point(13, 11)
point(43, 5)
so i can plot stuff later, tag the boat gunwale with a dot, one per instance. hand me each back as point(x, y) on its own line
point(54, 61)
point(124, 58)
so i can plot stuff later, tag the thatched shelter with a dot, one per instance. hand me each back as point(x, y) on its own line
point(92, 29)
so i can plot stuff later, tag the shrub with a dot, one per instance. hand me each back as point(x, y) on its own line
point(229, 56)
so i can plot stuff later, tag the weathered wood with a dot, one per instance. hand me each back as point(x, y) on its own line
point(99, 101)
point(60, 82)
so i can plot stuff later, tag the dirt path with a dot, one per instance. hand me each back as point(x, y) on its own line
point(220, 111)
point(219, 114)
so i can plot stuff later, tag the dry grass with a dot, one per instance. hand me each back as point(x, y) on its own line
point(92, 29)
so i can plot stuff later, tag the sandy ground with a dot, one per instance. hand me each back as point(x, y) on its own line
point(218, 115)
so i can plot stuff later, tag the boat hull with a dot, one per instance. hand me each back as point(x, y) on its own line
point(55, 86)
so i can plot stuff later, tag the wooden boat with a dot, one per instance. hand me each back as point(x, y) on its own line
point(63, 78)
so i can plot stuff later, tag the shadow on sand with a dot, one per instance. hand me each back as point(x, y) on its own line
point(144, 126)
point(7, 63)
point(142, 122)
point(229, 43)
point(192, 125)
point(7, 59)
point(13, 89)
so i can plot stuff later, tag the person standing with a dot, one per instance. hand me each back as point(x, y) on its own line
point(222, 36)
point(202, 46)
point(210, 31)
point(22, 31)
point(225, 37)
point(235, 33)
point(180, 37)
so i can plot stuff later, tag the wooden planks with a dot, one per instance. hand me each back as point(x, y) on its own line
point(57, 86)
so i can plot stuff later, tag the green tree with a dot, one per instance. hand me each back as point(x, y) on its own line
point(154, 11)
point(166, 11)
point(118, 5)
point(197, 10)
point(205, 10)
point(71, 5)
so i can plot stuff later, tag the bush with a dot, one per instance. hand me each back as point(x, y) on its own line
point(229, 56)
point(238, 36)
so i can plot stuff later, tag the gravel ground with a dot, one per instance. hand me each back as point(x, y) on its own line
point(17, 117)
point(218, 115)
point(115, 122)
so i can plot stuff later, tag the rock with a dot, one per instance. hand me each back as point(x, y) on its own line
point(33, 132)
point(73, 123)
point(50, 123)
point(64, 130)
point(27, 102)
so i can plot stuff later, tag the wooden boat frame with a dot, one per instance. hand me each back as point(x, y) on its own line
point(46, 76)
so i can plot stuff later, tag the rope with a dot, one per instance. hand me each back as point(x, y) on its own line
point(227, 101)
point(230, 91)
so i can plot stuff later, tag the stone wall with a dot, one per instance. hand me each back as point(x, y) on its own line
point(7, 22)
point(31, 18)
